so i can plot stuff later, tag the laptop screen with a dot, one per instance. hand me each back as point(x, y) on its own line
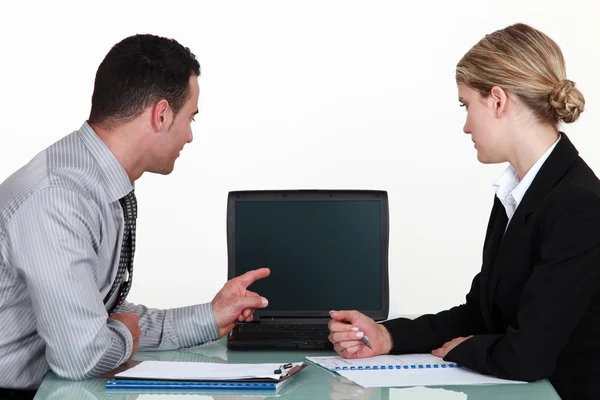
point(327, 250)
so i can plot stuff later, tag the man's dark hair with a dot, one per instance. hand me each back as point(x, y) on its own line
point(137, 72)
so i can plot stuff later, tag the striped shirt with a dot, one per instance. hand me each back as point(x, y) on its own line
point(61, 227)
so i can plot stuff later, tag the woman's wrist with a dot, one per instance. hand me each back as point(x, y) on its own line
point(386, 339)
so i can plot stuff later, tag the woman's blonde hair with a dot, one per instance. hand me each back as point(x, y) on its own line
point(527, 63)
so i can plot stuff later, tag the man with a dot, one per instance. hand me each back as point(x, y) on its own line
point(67, 230)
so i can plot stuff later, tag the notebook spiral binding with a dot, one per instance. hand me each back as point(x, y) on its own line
point(411, 366)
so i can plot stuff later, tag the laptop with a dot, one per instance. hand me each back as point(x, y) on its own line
point(326, 249)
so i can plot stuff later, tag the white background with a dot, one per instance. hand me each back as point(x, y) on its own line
point(304, 94)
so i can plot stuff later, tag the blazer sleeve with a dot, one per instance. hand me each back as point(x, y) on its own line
point(558, 292)
point(429, 332)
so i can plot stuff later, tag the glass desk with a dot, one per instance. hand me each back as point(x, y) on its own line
point(311, 383)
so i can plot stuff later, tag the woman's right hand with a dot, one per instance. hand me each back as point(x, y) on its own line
point(346, 329)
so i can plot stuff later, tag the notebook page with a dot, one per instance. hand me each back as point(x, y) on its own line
point(422, 377)
point(177, 370)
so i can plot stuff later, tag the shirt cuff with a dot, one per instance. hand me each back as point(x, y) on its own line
point(118, 352)
point(192, 325)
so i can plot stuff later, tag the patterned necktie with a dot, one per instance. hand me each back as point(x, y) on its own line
point(129, 205)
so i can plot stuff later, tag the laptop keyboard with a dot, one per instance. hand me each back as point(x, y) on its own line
point(256, 328)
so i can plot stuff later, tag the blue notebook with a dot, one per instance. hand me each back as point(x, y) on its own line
point(186, 376)
point(187, 385)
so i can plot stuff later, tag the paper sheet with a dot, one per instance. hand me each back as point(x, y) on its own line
point(404, 370)
point(202, 371)
point(429, 377)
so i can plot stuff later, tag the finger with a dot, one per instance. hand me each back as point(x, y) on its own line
point(337, 326)
point(353, 350)
point(336, 337)
point(348, 316)
point(344, 353)
point(348, 343)
point(439, 352)
point(241, 303)
point(247, 314)
point(338, 349)
point(251, 293)
point(341, 347)
point(343, 337)
point(250, 277)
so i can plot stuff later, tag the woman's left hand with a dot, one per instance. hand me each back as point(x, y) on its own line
point(448, 346)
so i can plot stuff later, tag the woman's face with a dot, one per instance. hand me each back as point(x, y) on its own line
point(484, 125)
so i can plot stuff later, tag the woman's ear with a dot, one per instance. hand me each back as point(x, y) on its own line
point(500, 99)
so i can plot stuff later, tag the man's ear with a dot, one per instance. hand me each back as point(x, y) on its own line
point(500, 99)
point(161, 114)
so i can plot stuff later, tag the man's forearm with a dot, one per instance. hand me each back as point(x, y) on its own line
point(75, 362)
point(174, 328)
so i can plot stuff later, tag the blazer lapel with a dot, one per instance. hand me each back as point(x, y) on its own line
point(493, 239)
point(557, 164)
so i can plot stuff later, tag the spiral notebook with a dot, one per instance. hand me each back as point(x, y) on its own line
point(406, 361)
point(404, 370)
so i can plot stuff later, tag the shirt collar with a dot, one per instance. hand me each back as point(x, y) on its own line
point(116, 181)
point(519, 192)
point(504, 186)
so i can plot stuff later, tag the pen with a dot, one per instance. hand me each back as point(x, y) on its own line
point(365, 341)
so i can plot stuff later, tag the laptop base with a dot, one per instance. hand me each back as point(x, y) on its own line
point(279, 344)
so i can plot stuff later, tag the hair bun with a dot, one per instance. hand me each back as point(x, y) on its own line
point(567, 101)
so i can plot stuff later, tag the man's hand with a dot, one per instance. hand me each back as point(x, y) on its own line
point(132, 322)
point(448, 346)
point(236, 303)
point(348, 327)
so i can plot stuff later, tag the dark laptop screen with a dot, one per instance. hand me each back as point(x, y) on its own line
point(323, 255)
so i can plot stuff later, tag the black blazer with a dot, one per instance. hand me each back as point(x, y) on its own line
point(535, 306)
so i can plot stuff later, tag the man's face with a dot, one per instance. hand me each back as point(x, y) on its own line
point(179, 132)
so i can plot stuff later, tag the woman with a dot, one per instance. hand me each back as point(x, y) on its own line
point(533, 311)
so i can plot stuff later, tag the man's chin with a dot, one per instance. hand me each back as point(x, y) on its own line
point(163, 171)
